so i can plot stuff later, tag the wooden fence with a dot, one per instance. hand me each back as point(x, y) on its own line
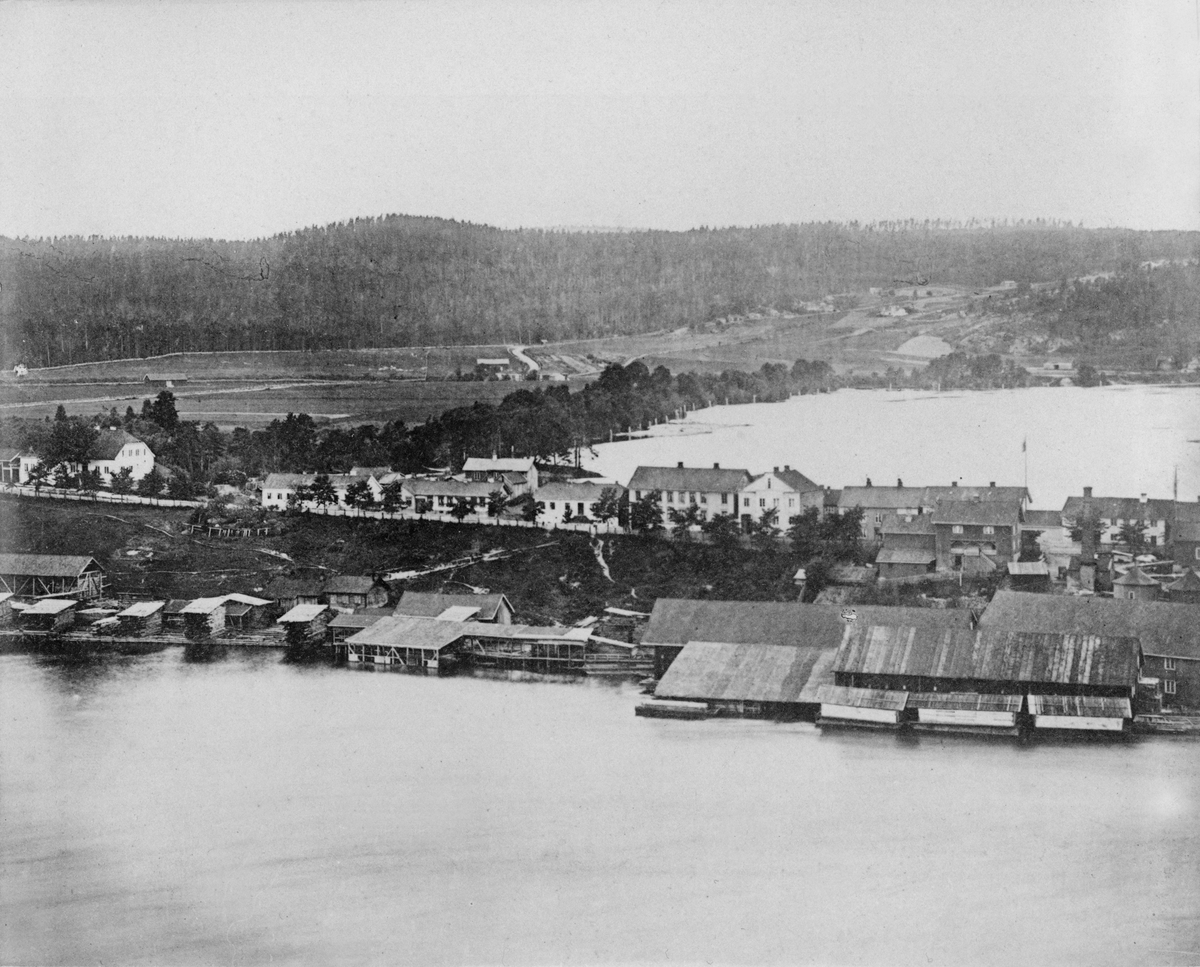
point(98, 497)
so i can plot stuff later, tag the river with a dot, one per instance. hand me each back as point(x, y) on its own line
point(246, 811)
point(1121, 440)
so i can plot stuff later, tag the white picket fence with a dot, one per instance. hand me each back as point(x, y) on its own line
point(591, 527)
point(99, 497)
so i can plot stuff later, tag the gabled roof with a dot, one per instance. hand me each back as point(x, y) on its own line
point(572, 490)
point(498, 464)
point(110, 442)
point(246, 599)
point(1121, 508)
point(50, 606)
point(676, 621)
point(1187, 530)
point(420, 487)
point(350, 584)
point(832, 497)
point(991, 654)
point(993, 512)
point(293, 587)
point(882, 498)
point(935, 494)
point(287, 481)
point(428, 605)
point(1164, 628)
point(1089, 706)
point(719, 671)
point(1044, 518)
point(402, 631)
point(47, 565)
point(142, 609)
point(363, 618)
point(793, 480)
point(698, 479)
point(303, 614)
point(919, 524)
point(202, 606)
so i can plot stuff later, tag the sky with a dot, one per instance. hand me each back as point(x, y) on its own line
point(238, 120)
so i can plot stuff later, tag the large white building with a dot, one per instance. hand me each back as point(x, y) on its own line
point(114, 451)
point(787, 492)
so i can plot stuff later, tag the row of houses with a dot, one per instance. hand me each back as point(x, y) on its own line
point(1041, 661)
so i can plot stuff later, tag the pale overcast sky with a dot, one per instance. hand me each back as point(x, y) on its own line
point(236, 120)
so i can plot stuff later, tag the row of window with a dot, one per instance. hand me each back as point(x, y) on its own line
point(958, 529)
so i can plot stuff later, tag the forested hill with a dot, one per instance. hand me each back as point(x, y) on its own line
point(399, 280)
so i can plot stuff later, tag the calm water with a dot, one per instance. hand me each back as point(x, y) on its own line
point(1122, 440)
point(244, 811)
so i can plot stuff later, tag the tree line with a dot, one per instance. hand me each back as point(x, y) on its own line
point(403, 281)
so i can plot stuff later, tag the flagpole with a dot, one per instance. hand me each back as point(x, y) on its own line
point(1025, 453)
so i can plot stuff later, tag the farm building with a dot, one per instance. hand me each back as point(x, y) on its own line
point(1169, 633)
point(354, 591)
point(287, 592)
point(166, 379)
point(342, 626)
point(305, 624)
point(49, 614)
point(676, 621)
point(37, 575)
point(746, 679)
point(245, 612)
point(204, 617)
point(141, 618)
point(488, 608)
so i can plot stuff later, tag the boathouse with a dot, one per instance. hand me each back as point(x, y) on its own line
point(879, 708)
point(399, 640)
point(1080, 712)
point(141, 618)
point(965, 712)
point(49, 614)
point(753, 680)
point(487, 608)
point(676, 621)
point(346, 623)
point(37, 575)
point(1169, 633)
point(203, 617)
point(305, 624)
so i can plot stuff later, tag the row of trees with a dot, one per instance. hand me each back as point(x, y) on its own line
point(405, 281)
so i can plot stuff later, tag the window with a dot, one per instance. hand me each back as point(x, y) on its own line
point(724, 498)
point(1153, 541)
point(637, 495)
point(1169, 686)
point(704, 498)
point(956, 529)
point(1198, 553)
point(745, 501)
point(552, 505)
point(791, 501)
point(691, 498)
point(762, 502)
point(879, 518)
point(1169, 664)
point(989, 529)
point(670, 496)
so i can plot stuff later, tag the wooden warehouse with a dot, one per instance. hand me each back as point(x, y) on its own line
point(49, 614)
point(244, 612)
point(488, 608)
point(141, 618)
point(305, 624)
point(354, 591)
point(204, 617)
point(38, 575)
point(776, 681)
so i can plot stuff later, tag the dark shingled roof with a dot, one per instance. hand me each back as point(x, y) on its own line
point(1002, 512)
point(904, 555)
point(1043, 518)
point(1136, 577)
point(293, 587)
point(424, 604)
point(1188, 581)
point(110, 442)
point(990, 654)
point(1121, 508)
point(794, 479)
point(349, 584)
point(895, 524)
point(698, 479)
point(676, 621)
point(1164, 629)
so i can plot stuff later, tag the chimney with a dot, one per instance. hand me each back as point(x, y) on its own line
point(953, 483)
point(680, 465)
point(992, 484)
point(1142, 499)
point(787, 468)
point(899, 482)
point(1087, 491)
point(1087, 550)
point(716, 466)
point(776, 470)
